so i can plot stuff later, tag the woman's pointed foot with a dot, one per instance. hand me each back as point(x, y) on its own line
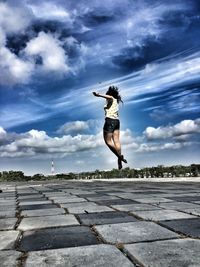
point(123, 159)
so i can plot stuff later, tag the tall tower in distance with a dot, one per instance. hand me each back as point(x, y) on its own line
point(52, 168)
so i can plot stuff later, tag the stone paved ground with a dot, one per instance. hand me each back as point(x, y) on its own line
point(100, 223)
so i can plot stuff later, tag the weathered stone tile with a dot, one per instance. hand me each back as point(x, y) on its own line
point(37, 206)
point(42, 212)
point(195, 211)
point(7, 224)
point(83, 207)
point(79, 205)
point(178, 205)
point(87, 256)
point(47, 221)
point(7, 208)
point(72, 236)
point(152, 200)
point(134, 207)
point(30, 203)
point(115, 202)
point(7, 214)
point(30, 197)
point(133, 232)
point(7, 202)
point(37, 200)
point(173, 253)
point(188, 226)
point(69, 200)
point(9, 258)
point(162, 215)
point(186, 198)
point(196, 202)
point(102, 198)
point(105, 218)
point(90, 195)
point(7, 239)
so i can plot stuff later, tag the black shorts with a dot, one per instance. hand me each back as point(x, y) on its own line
point(111, 125)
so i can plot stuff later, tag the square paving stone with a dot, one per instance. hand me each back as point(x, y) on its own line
point(196, 202)
point(153, 200)
point(33, 197)
point(87, 256)
point(162, 215)
point(134, 207)
point(38, 199)
point(31, 194)
point(7, 208)
point(37, 206)
point(133, 232)
point(189, 226)
point(90, 195)
point(7, 239)
point(105, 218)
point(30, 203)
point(68, 200)
point(72, 236)
point(168, 253)
point(178, 205)
point(85, 207)
point(42, 212)
point(102, 198)
point(7, 202)
point(7, 214)
point(9, 258)
point(115, 202)
point(186, 198)
point(47, 221)
point(7, 224)
point(195, 211)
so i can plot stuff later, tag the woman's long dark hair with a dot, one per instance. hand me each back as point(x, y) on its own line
point(113, 91)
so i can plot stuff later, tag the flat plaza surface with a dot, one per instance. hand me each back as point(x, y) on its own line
point(119, 223)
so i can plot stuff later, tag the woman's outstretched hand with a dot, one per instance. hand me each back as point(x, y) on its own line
point(95, 93)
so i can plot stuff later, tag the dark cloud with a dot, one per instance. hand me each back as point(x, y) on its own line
point(137, 57)
point(16, 43)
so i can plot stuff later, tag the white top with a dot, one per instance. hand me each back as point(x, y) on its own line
point(112, 109)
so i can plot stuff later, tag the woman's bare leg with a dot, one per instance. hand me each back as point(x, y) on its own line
point(117, 143)
point(108, 137)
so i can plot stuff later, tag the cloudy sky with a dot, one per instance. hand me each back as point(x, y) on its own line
point(54, 53)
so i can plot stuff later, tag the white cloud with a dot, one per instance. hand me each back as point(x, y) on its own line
point(77, 127)
point(74, 127)
point(38, 143)
point(51, 11)
point(13, 69)
point(184, 128)
point(34, 143)
point(2, 38)
point(50, 49)
point(143, 148)
point(14, 19)
point(3, 134)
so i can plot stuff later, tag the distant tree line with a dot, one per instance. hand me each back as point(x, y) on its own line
point(148, 172)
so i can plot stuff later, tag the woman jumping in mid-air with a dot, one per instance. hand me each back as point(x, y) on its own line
point(112, 124)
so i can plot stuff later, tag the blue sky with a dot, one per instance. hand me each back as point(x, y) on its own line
point(53, 54)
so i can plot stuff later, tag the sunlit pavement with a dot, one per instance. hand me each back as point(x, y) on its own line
point(154, 223)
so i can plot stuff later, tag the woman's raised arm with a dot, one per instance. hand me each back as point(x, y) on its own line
point(100, 95)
